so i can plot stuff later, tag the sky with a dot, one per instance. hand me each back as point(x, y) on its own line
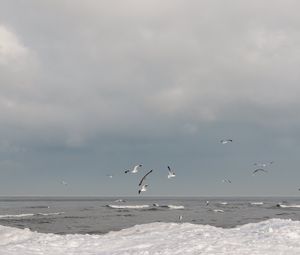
point(90, 88)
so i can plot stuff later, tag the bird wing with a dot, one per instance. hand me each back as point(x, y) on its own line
point(141, 182)
point(259, 169)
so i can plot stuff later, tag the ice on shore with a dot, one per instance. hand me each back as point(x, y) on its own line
point(271, 237)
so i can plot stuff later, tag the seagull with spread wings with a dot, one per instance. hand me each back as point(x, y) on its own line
point(134, 170)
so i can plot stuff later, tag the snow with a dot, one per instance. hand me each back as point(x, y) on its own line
point(275, 236)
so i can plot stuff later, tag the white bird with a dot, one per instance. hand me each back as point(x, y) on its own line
point(259, 170)
point(109, 175)
point(226, 181)
point(170, 173)
point(143, 188)
point(134, 170)
point(226, 141)
point(180, 218)
point(64, 183)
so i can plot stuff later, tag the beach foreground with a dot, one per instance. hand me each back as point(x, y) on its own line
point(275, 236)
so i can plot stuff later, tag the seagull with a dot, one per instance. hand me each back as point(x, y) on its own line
point(207, 203)
point(143, 188)
point(170, 173)
point(180, 218)
point(64, 183)
point(226, 181)
point(226, 141)
point(259, 170)
point(109, 175)
point(263, 164)
point(134, 170)
point(144, 177)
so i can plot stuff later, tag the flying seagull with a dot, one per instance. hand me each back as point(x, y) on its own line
point(143, 188)
point(134, 170)
point(263, 164)
point(259, 170)
point(226, 181)
point(226, 141)
point(64, 183)
point(109, 175)
point(170, 173)
point(144, 177)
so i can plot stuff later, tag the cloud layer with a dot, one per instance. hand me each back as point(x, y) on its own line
point(74, 73)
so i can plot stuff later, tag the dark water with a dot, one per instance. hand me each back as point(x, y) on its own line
point(92, 216)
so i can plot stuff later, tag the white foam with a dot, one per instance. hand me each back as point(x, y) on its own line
point(17, 215)
point(49, 214)
point(218, 210)
point(257, 203)
point(175, 207)
point(270, 237)
point(289, 206)
point(223, 203)
point(28, 215)
point(128, 206)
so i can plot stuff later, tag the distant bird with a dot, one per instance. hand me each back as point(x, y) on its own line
point(109, 175)
point(170, 173)
point(263, 164)
point(259, 170)
point(226, 141)
point(207, 203)
point(180, 218)
point(134, 170)
point(143, 188)
point(144, 177)
point(64, 183)
point(226, 181)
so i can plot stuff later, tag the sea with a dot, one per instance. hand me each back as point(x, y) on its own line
point(149, 225)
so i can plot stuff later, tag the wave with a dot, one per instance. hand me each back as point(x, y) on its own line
point(288, 206)
point(173, 207)
point(128, 206)
point(38, 207)
point(218, 210)
point(256, 203)
point(154, 206)
point(7, 216)
point(275, 236)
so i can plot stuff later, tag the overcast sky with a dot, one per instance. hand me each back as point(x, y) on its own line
point(89, 88)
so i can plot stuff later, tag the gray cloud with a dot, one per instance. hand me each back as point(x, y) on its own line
point(76, 73)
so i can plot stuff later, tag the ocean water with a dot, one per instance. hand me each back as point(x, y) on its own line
point(144, 226)
point(102, 215)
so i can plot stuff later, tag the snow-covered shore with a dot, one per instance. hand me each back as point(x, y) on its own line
point(275, 236)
